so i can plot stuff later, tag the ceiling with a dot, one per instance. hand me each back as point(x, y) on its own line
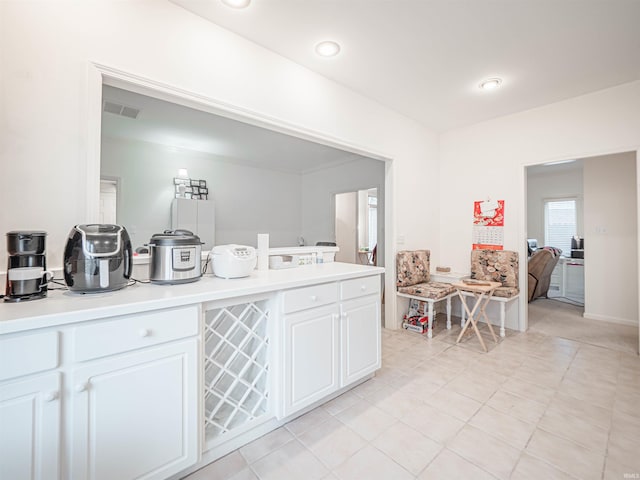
point(426, 58)
point(180, 127)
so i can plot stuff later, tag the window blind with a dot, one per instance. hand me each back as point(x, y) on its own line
point(560, 224)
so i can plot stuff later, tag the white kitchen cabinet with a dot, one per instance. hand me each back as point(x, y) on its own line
point(311, 361)
point(30, 411)
point(135, 414)
point(331, 346)
point(30, 406)
point(360, 337)
point(112, 387)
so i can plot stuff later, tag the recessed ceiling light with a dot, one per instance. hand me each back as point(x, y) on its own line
point(491, 83)
point(237, 3)
point(327, 49)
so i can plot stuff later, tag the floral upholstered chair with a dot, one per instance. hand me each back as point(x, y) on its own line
point(413, 281)
point(497, 266)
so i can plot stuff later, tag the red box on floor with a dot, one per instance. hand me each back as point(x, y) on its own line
point(416, 324)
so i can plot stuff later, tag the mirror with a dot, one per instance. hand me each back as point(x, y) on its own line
point(259, 180)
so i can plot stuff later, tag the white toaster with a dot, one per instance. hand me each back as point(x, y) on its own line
point(233, 261)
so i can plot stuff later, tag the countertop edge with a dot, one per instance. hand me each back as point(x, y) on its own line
point(64, 308)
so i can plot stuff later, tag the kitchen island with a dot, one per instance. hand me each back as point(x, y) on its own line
point(154, 381)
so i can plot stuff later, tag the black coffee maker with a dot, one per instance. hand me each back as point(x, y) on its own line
point(27, 274)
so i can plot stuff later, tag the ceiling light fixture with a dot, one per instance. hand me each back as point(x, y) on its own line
point(491, 83)
point(327, 49)
point(237, 3)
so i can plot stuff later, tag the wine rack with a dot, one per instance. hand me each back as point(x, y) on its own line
point(236, 367)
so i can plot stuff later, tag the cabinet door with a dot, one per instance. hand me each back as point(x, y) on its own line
point(311, 357)
point(30, 428)
point(135, 415)
point(360, 338)
point(575, 282)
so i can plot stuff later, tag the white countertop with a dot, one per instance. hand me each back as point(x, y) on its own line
point(301, 250)
point(64, 307)
point(143, 258)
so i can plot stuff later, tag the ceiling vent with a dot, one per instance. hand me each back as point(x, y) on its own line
point(119, 109)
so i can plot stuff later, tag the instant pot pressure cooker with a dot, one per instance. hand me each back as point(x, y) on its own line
point(176, 257)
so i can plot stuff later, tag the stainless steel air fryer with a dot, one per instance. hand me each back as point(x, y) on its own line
point(97, 258)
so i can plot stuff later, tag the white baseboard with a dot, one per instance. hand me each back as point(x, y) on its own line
point(606, 318)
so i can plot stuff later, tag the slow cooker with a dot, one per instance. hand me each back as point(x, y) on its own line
point(175, 257)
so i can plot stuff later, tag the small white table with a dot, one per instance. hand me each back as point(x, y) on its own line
point(482, 292)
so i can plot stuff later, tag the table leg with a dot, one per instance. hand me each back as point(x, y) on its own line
point(483, 313)
point(471, 318)
point(430, 330)
point(449, 312)
point(503, 314)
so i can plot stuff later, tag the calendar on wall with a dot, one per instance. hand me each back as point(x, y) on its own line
point(488, 225)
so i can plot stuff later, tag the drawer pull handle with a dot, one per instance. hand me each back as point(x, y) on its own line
point(51, 396)
point(82, 387)
point(314, 298)
point(144, 332)
point(363, 288)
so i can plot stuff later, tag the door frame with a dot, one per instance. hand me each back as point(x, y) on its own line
point(522, 233)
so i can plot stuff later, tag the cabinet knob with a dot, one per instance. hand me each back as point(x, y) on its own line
point(82, 387)
point(51, 396)
point(343, 314)
point(314, 298)
point(144, 332)
point(363, 288)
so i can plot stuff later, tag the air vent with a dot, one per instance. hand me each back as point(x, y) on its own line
point(118, 109)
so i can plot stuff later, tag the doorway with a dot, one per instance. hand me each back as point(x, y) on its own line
point(358, 216)
point(606, 200)
point(108, 200)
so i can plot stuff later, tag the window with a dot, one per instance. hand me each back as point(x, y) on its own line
point(560, 223)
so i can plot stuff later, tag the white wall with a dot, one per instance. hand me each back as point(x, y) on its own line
point(487, 159)
point(320, 187)
point(346, 226)
point(46, 48)
point(248, 200)
point(552, 183)
point(611, 240)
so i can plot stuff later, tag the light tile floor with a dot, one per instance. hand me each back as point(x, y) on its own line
point(551, 403)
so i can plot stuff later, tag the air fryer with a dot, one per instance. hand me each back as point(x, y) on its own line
point(97, 258)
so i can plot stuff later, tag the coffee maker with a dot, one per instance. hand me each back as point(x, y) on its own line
point(27, 274)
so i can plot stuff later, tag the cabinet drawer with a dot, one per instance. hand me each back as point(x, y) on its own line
point(134, 331)
point(27, 354)
point(309, 297)
point(359, 287)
